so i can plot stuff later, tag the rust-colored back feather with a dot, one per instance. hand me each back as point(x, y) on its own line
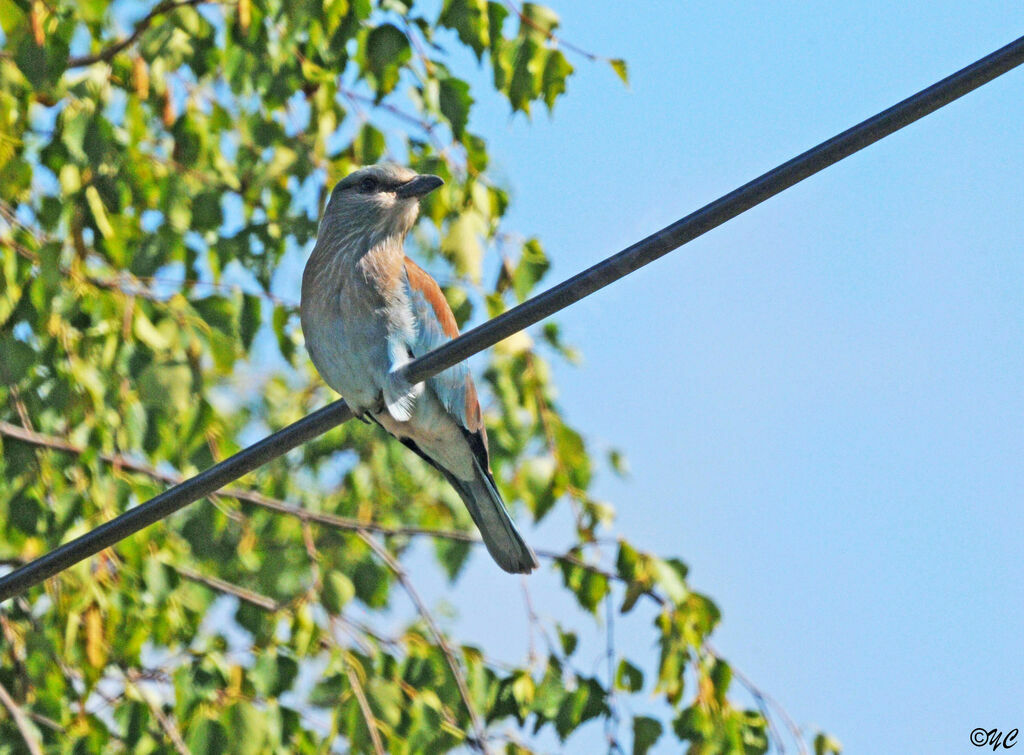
point(421, 281)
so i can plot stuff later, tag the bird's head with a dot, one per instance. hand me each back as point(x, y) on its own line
point(381, 200)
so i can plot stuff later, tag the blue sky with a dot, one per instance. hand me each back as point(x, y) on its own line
point(822, 401)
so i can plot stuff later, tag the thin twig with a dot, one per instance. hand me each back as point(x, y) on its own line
point(145, 23)
point(314, 556)
point(126, 283)
point(167, 723)
point(763, 697)
point(133, 286)
point(19, 404)
point(229, 588)
point(417, 45)
point(249, 496)
point(334, 521)
point(21, 721)
point(558, 41)
point(364, 707)
point(576, 497)
point(532, 621)
point(479, 731)
point(23, 250)
point(9, 214)
point(46, 721)
point(611, 723)
point(355, 629)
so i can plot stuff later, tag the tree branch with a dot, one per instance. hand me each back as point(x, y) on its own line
point(334, 521)
point(765, 702)
point(21, 721)
point(249, 496)
point(167, 723)
point(479, 732)
point(106, 54)
point(558, 41)
point(362, 529)
point(229, 588)
point(364, 707)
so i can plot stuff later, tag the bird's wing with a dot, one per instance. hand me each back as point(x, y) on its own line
point(435, 324)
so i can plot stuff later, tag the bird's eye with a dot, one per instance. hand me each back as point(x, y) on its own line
point(368, 185)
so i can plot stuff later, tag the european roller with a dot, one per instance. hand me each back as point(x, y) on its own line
point(366, 310)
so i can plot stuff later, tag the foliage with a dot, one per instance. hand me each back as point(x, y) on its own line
point(152, 184)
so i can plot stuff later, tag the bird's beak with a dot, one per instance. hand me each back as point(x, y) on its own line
point(418, 187)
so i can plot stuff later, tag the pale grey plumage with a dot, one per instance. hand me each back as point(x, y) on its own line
point(367, 309)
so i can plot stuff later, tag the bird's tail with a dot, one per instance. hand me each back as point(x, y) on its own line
point(499, 532)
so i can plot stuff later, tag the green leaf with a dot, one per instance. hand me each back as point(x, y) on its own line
point(533, 264)
point(556, 70)
point(337, 592)
point(568, 640)
point(273, 673)
point(694, 724)
point(462, 244)
point(619, 66)
point(133, 717)
point(387, 50)
point(527, 62)
point(386, 699)
point(368, 146)
point(16, 358)
point(206, 213)
point(497, 12)
point(754, 732)
point(523, 688)
point(218, 312)
point(453, 555)
point(207, 735)
point(468, 18)
point(250, 319)
point(825, 744)
point(328, 691)
point(646, 732)
point(160, 579)
point(629, 677)
point(279, 323)
point(10, 16)
point(538, 19)
point(41, 65)
point(618, 463)
point(371, 583)
point(455, 101)
point(721, 678)
point(588, 586)
point(247, 728)
point(668, 578)
point(584, 703)
point(99, 212)
point(476, 153)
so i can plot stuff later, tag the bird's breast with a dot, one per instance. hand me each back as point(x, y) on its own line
point(346, 336)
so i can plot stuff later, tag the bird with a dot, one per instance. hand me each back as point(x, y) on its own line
point(367, 309)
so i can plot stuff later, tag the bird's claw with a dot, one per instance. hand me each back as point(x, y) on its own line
point(366, 415)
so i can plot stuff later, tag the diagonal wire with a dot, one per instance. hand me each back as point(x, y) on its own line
point(484, 336)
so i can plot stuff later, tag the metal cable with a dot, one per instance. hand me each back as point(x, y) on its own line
point(543, 305)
